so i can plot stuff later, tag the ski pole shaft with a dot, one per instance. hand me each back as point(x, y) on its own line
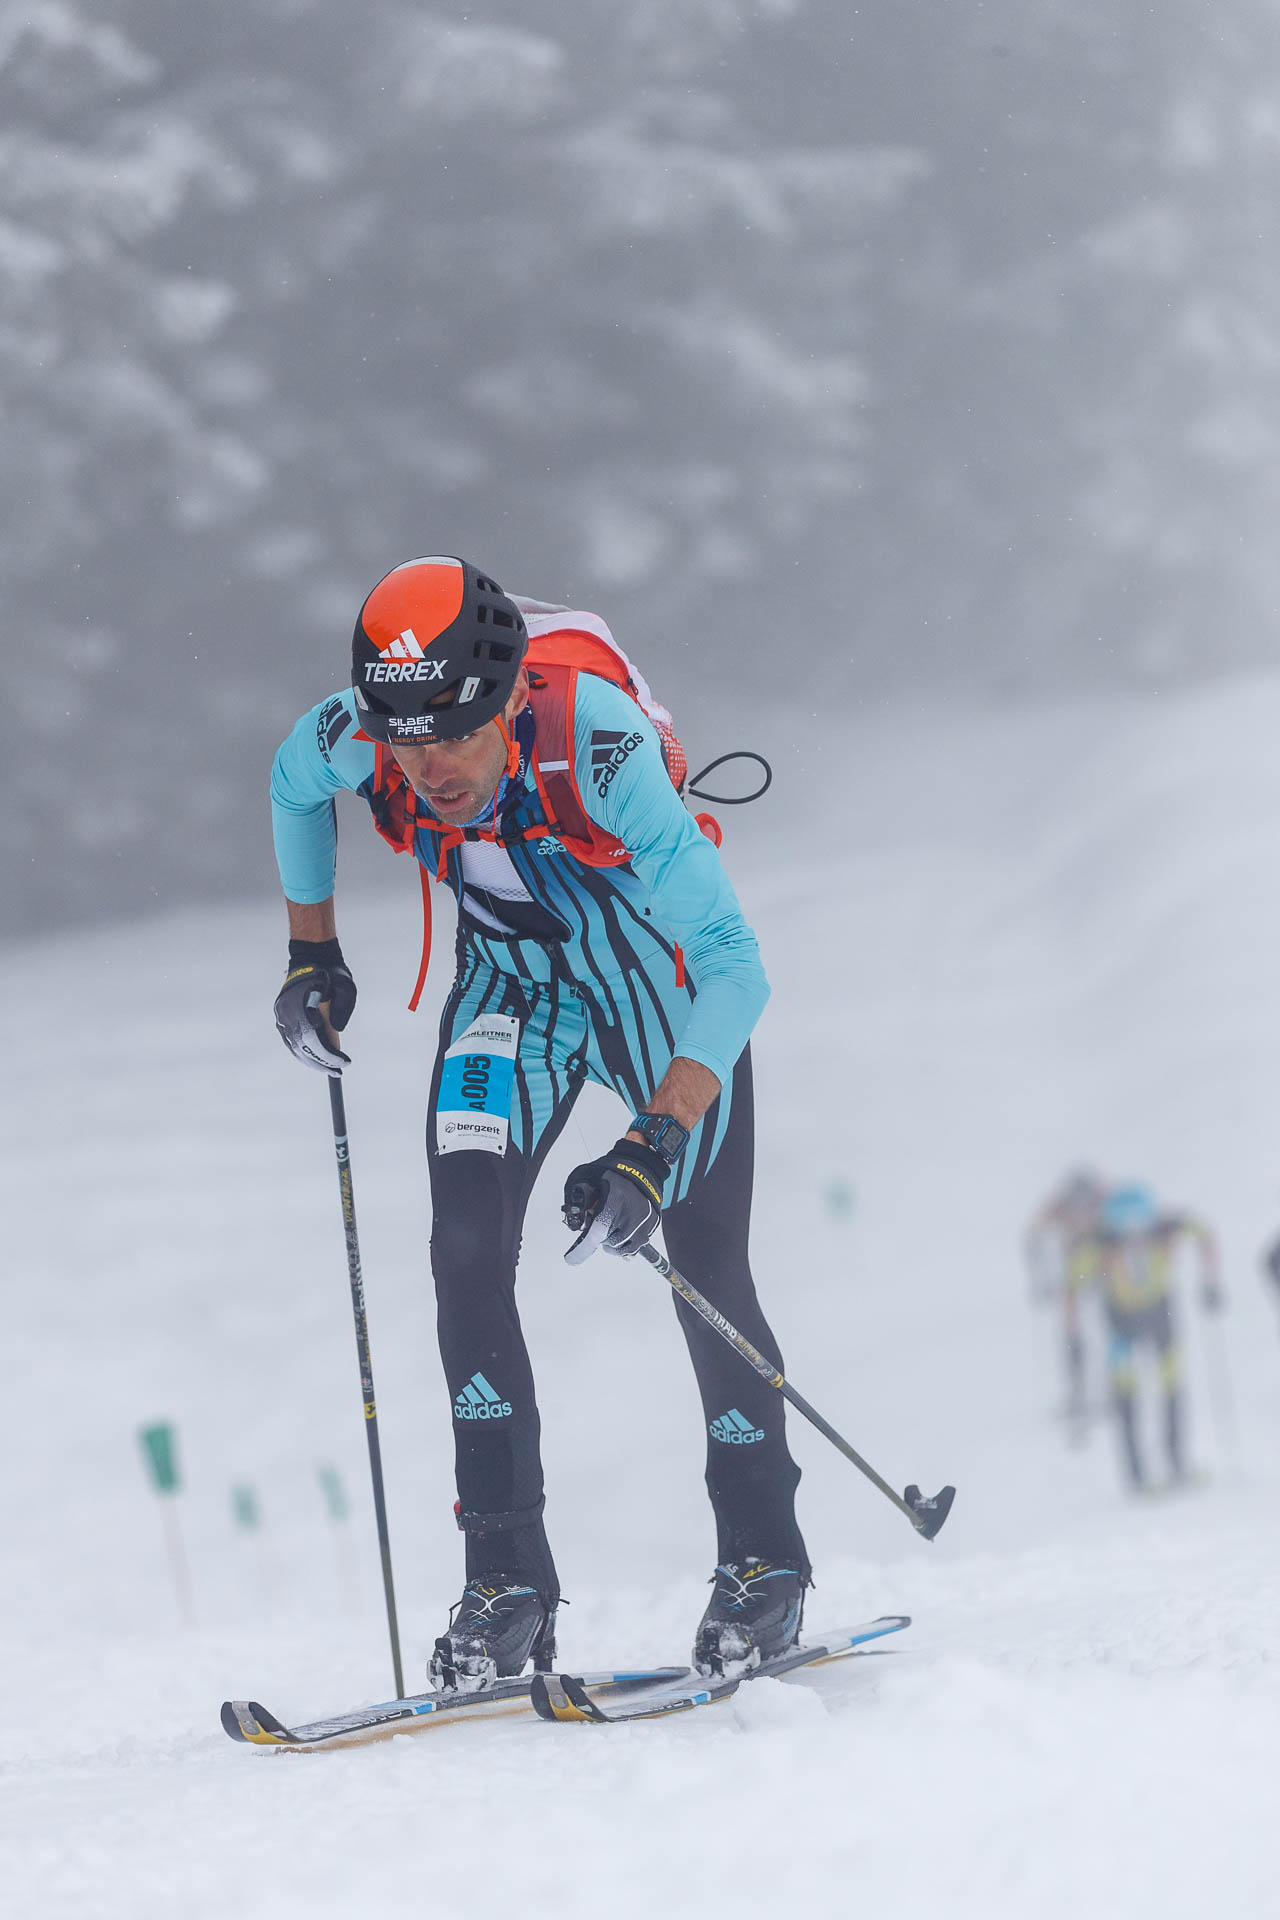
point(343, 1151)
point(927, 1518)
point(1221, 1399)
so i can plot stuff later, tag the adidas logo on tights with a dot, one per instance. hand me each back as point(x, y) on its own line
point(735, 1431)
point(478, 1401)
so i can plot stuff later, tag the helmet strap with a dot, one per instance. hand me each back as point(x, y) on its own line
point(512, 745)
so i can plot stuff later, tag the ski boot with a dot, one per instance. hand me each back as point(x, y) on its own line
point(754, 1613)
point(497, 1625)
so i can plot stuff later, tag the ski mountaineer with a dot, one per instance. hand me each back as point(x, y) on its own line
point(1132, 1258)
point(1271, 1264)
point(1069, 1216)
point(514, 749)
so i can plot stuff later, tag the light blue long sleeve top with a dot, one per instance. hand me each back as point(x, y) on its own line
point(618, 921)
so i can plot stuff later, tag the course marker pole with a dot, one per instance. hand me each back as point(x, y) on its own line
point(160, 1451)
point(339, 1508)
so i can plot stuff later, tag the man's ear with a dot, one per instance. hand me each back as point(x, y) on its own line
point(519, 695)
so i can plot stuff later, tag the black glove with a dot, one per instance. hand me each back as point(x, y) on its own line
point(614, 1202)
point(317, 972)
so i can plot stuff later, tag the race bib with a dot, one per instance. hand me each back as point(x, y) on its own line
point(474, 1103)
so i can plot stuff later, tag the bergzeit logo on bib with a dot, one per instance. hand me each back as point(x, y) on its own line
point(473, 1106)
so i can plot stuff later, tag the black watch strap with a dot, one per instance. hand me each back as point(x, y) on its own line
point(664, 1134)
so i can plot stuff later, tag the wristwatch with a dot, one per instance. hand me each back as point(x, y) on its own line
point(663, 1133)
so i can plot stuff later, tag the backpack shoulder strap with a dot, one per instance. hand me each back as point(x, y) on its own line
point(553, 686)
point(392, 802)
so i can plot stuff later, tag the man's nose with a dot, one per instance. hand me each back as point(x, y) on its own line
point(433, 766)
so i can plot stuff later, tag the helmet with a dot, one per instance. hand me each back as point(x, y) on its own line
point(1082, 1191)
point(1129, 1210)
point(435, 652)
point(1077, 1205)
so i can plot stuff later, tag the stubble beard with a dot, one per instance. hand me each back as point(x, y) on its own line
point(473, 802)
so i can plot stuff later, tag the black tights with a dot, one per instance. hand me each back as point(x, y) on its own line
point(479, 1202)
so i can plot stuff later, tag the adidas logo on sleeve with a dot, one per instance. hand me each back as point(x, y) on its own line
point(478, 1401)
point(609, 752)
point(734, 1431)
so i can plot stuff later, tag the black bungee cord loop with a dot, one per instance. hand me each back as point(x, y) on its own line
point(730, 799)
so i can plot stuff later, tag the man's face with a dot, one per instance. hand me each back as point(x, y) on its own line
point(458, 778)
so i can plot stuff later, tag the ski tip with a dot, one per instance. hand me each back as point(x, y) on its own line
point(930, 1511)
point(558, 1696)
point(231, 1719)
point(246, 1720)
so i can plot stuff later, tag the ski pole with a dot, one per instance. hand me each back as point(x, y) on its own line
point(1221, 1399)
point(926, 1515)
point(345, 1188)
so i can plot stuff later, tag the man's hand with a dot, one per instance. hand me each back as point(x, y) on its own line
point(614, 1202)
point(317, 983)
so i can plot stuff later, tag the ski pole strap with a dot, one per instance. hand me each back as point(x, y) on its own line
point(497, 1522)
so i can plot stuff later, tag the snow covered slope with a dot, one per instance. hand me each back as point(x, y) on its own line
point(997, 945)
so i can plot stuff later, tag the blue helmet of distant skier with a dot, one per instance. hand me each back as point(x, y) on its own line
point(1129, 1210)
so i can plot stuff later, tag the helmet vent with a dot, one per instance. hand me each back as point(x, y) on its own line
point(501, 618)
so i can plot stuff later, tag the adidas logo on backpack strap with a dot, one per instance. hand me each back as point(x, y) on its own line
point(478, 1401)
point(734, 1431)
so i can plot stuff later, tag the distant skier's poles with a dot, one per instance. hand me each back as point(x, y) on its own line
point(925, 1515)
point(343, 1151)
point(1221, 1399)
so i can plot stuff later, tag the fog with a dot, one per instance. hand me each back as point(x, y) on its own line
point(898, 383)
point(917, 353)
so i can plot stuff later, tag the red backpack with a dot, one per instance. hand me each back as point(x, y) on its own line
point(561, 646)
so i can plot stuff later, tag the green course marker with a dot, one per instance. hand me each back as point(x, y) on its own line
point(840, 1199)
point(244, 1505)
point(335, 1494)
point(247, 1513)
point(335, 1499)
point(160, 1451)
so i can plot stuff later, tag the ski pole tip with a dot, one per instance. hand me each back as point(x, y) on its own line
point(930, 1511)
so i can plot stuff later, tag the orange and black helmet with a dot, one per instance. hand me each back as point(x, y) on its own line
point(435, 652)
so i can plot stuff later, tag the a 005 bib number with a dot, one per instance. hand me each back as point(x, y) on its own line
point(474, 1103)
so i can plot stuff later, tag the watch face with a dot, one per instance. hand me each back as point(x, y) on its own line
point(664, 1133)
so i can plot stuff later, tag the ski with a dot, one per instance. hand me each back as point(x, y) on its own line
point(247, 1721)
point(566, 1697)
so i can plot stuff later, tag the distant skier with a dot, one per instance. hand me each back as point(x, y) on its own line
point(514, 749)
point(1132, 1260)
point(1070, 1215)
point(1271, 1265)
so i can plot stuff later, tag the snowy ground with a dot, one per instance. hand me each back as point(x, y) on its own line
point(1000, 944)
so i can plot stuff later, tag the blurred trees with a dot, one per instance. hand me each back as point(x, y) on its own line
point(928, 344)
